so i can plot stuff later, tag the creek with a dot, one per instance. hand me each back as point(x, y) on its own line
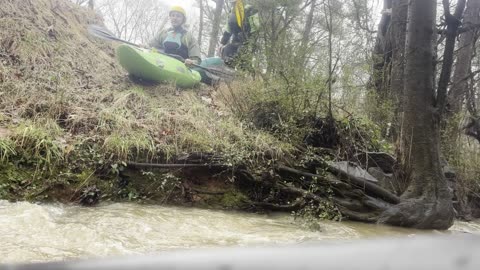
point(52, 232)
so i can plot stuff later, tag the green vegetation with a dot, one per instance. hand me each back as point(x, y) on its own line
point(7, 149)
point(36, 143)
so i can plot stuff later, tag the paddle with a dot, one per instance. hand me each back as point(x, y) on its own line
point(103, 33)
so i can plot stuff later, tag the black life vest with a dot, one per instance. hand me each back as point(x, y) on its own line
point(172, 44)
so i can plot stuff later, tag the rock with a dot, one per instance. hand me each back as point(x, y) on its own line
point(449, 173)
point(90, 196)
point(353, 169)
point(474, 205)
point(382, 160)
point(385, 180)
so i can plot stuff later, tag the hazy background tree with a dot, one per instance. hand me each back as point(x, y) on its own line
point(382, 52)
point(200, 21)
point(216, 25)
point(134, 20)
point(465, 54)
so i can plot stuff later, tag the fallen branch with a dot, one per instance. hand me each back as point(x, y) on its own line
point(309, 175)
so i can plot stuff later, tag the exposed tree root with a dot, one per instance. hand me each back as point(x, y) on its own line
point(289, 189)
point(420, 213)
point(298, 204)
point(176, 166)
point(331, 181)
point(350, 202)
point(370, 188)
point(358, 216)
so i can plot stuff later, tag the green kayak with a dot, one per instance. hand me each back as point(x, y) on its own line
point(156, 67)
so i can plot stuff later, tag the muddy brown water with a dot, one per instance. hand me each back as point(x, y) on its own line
point(38, 233)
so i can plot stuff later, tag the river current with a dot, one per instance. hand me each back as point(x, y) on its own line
point(38, 233)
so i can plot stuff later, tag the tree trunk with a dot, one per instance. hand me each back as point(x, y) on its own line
point(91, 4)
point(453, 23)
point(382, 53)
point(398, 32)
point(270, 39)
point(329, 24)
point(217, 16)
point(306, 37)
point(427, 204)
point(466, 48)
point(200, 25)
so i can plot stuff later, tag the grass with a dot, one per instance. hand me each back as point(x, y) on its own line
point(465, 160)
point(63, 88)
point(39, 142)
point(7, 149)
point(129, 146)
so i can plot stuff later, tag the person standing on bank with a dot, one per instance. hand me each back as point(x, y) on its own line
point(177, 40)
point(236, 43)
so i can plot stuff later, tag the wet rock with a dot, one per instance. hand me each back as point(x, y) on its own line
point(474, 204)
point(385, 180)
point(449, 173)
point(90, 196)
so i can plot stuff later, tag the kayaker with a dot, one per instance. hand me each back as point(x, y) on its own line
point(236, 43)
point(177, 40)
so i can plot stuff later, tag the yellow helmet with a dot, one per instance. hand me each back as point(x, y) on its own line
point(180, 10)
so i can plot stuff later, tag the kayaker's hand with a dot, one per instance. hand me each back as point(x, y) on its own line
point(189, 62)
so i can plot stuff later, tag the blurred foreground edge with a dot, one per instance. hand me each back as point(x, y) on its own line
point(419, 252)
